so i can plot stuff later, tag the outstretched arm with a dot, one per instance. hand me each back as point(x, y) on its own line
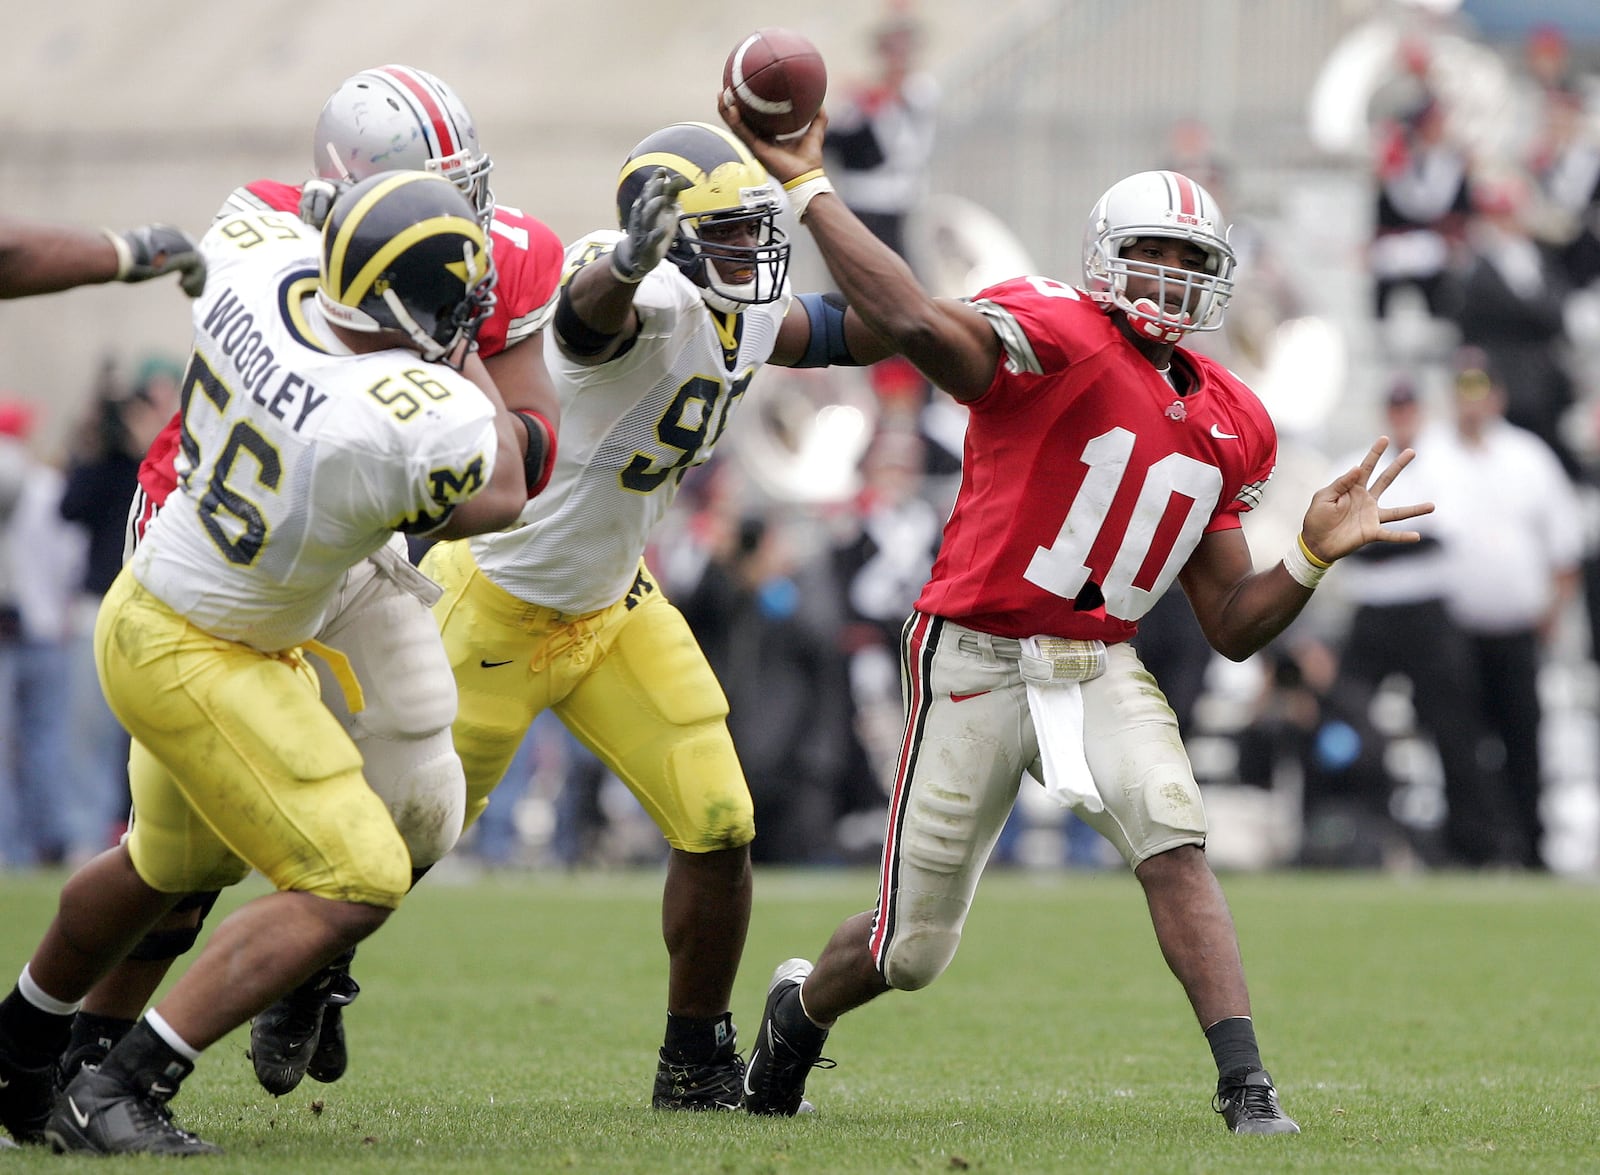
point(1241, 611)
point(950, 342)
point(595, 314)
point(38, 258)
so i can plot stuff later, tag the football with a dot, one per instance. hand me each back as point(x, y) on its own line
point(777, 79)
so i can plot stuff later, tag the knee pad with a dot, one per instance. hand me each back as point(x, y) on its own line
point(421, 783)
point(709, 808)
point(169, 942)
point(918, 955)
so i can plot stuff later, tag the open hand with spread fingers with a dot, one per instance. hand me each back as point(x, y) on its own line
point(1346, 514)
point(651, 227)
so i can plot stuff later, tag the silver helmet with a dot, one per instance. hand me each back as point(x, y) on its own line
point(395, 117)
point(1159, 204)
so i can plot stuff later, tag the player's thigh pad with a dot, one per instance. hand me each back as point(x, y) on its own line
point(173, 849)
point(489, 640)
point(409, 701)
point(1142, 772)
point(252, 749)
point(651, 709)
point(967, 736)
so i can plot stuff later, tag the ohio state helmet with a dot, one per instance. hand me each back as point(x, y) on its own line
point(728, 187)
point(403, 250)
point(1159, 204)
point(394, 118)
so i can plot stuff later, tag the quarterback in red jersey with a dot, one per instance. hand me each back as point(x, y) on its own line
point(382, 635)
point(1102, 462)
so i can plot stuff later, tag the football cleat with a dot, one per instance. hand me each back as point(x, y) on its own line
point(25, 1097)
point(331, 1059)
point(98, 1114)
point(775, 1079)
point(285, 1036)
point(708, 1085)
point(87, 1054)
point(1250, 1106)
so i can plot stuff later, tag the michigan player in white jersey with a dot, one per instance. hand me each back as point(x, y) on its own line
point(394, 117)
point(323, 410)
point(561, 613)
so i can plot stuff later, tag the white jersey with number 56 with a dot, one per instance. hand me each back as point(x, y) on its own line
point(630, 429)
point(298, 458)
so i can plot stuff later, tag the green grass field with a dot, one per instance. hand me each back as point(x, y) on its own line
point(510, 1024)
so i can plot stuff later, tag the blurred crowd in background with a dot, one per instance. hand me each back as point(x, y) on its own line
point(1435, 707)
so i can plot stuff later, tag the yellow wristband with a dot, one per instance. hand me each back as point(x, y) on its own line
point(1304, 567)
point(791, 185)
point(1315, 562)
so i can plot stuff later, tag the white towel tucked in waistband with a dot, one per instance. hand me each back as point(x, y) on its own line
point(1056, 705)
point(398, 570)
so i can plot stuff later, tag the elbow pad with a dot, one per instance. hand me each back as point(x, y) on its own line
point(539, 460)
point(827, 347)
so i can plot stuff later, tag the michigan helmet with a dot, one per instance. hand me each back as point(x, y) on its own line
point(1159, 204)
point(402, 250)
point(728, 221)
point(395, 118)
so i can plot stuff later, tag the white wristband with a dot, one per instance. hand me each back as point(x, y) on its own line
point(802, 194)
point(124, 254)
point(1304, 567)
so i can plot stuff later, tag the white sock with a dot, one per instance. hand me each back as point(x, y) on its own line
point(41, 999)
point(159, 1025)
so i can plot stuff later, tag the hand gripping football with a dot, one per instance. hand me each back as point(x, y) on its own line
point(777, 79)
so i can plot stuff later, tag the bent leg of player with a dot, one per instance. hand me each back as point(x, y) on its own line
point(104, 908)
point(113, 1005)
point(382, 635)
point(651, 709)
point(967, 737)
point(1155, 818)
point(273, 777)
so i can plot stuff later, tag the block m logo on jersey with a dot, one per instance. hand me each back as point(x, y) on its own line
point(449, 488)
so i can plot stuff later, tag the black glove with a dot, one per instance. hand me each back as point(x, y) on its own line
point(317, 198)
point(154, 249)
point(652, 226)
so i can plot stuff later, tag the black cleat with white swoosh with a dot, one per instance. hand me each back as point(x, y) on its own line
point(102, 1113)
point(780, 1062)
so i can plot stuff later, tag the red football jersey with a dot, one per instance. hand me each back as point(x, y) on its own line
point(1087, 481)
point(527, 257)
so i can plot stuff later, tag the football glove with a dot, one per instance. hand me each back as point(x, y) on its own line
point(154, 249)
point(317, 197)
point(652, 225)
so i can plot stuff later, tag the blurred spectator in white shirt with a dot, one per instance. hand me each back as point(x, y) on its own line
point(1513, 572)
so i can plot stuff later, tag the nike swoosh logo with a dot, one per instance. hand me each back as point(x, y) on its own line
point(161, 1090)
point(967, 697)
point(4, 1082)
point(78, 1115)
point(1216, 431)
point(749, 1091)
point(493, 664)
